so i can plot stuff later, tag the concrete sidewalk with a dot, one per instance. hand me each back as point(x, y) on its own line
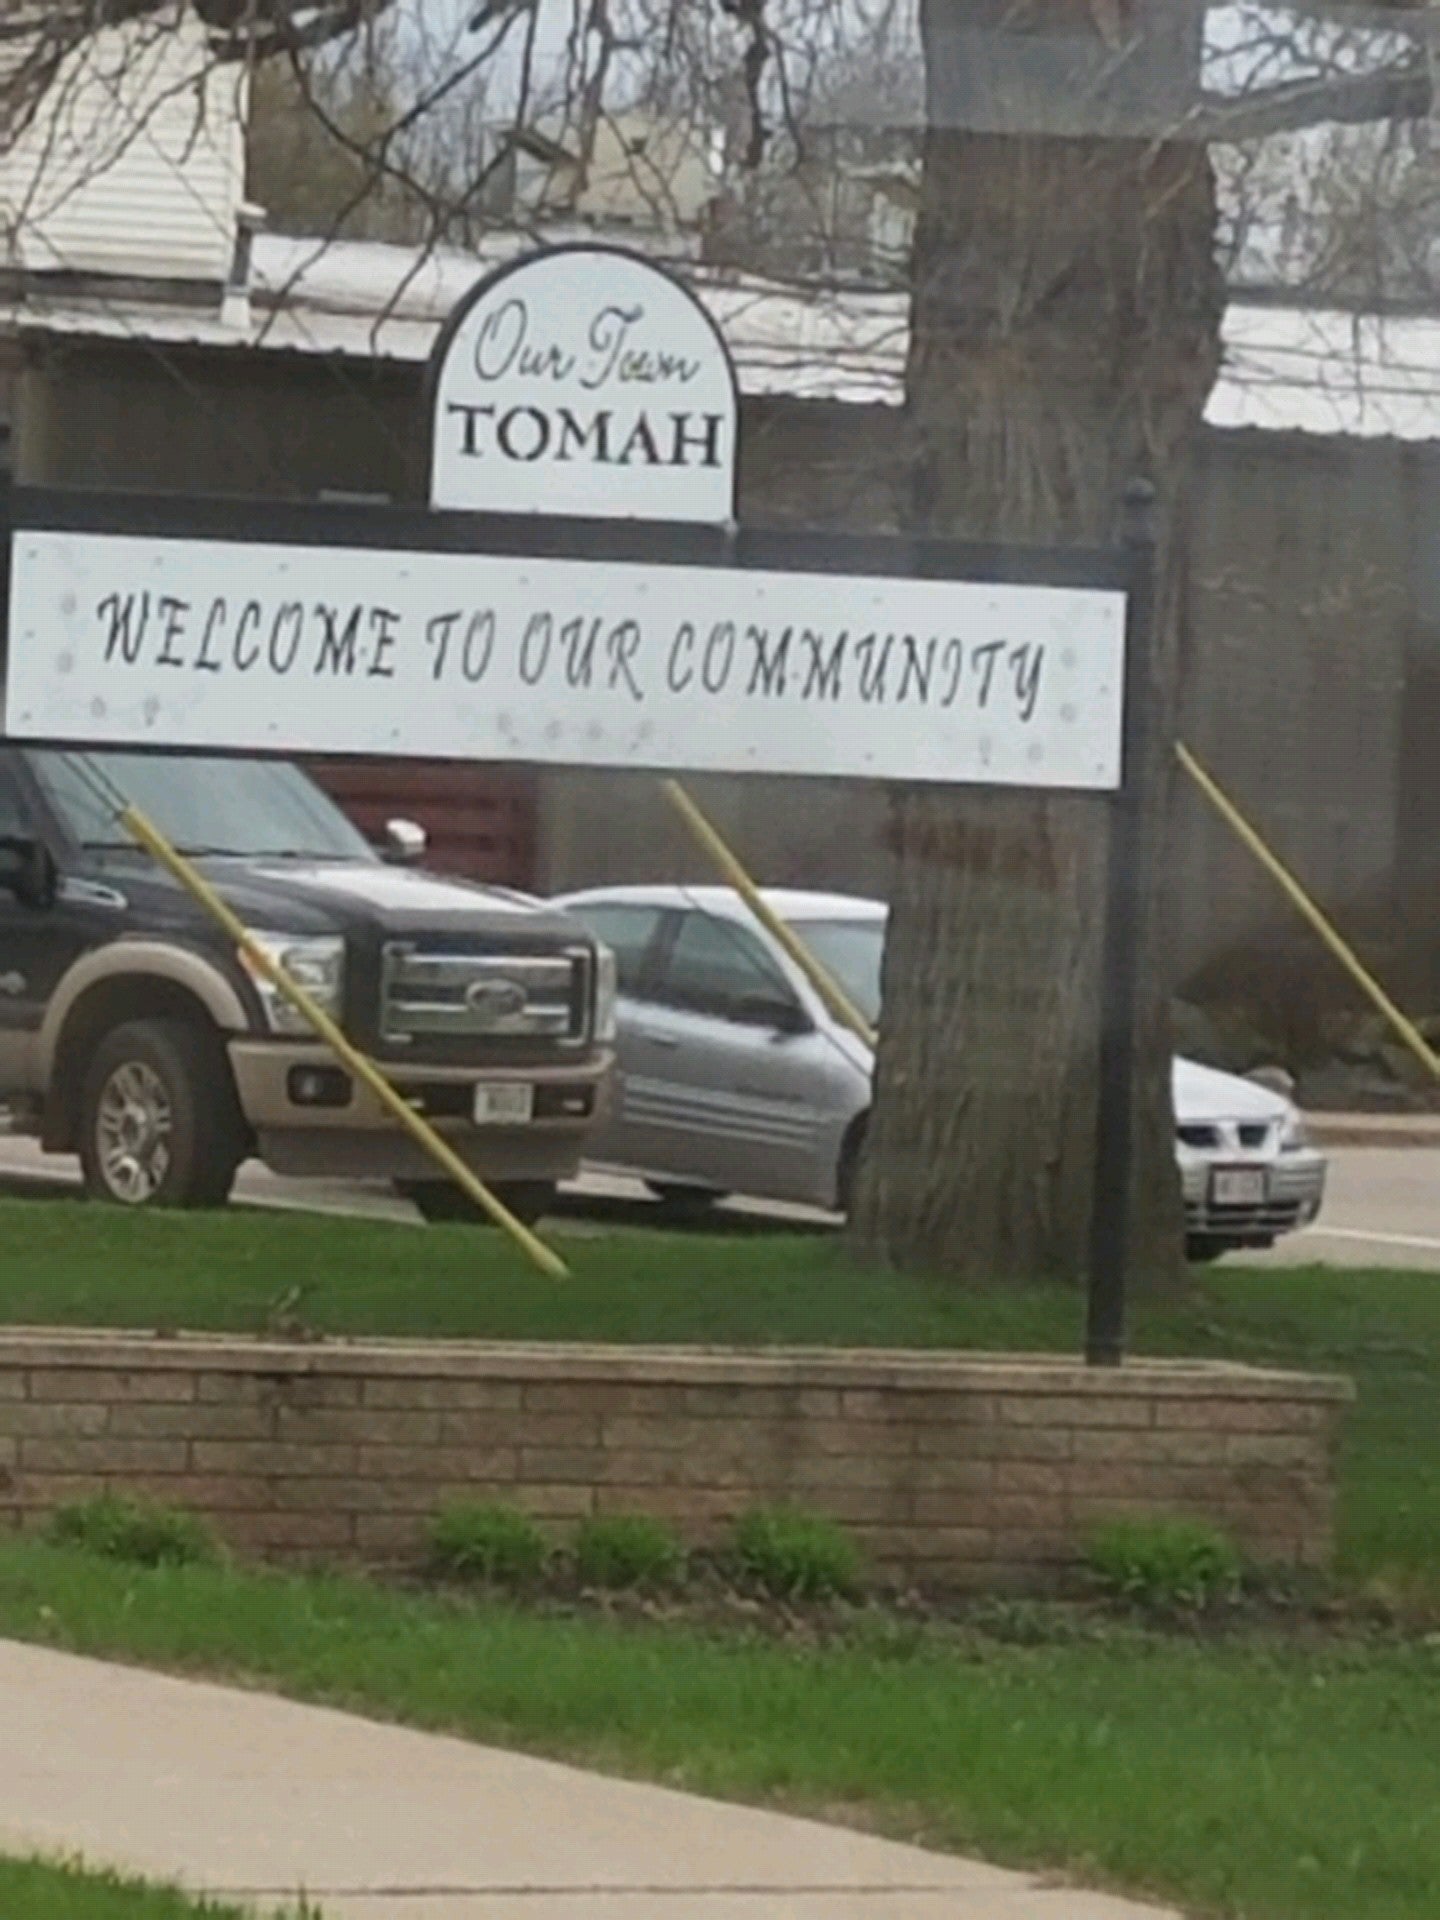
point(242, 1795)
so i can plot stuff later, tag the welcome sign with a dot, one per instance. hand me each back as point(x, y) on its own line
point(585, 382)
point(756, 664)
point(577, 593)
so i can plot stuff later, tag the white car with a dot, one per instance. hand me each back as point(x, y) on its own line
point(734, 1077)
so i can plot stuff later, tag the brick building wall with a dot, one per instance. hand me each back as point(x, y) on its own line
point(961, 1471)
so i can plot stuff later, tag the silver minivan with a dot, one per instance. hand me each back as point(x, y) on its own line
point(733, 1077)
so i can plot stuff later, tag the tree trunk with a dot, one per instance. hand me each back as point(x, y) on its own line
point(1065, 329)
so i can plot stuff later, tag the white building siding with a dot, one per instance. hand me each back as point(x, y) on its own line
point(134, 164)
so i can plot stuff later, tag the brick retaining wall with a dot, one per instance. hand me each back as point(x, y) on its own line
point(971, 1470)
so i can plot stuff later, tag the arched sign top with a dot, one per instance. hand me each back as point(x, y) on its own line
point(584, 381)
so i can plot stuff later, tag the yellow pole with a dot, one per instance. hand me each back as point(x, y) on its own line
point(420, 1130)
point(823, 981)
point(1409, 1033)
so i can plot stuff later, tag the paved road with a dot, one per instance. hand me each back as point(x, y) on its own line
point(240, 1795)
point(598, 1201)
point(1382, 1210)
point(1383, 1207)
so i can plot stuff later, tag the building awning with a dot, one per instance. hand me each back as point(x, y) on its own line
point(1287, 368)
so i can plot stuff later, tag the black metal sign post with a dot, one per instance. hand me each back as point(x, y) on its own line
point(1126, 901)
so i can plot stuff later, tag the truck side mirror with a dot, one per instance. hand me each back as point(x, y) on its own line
point(406, 842)
point(27, 871)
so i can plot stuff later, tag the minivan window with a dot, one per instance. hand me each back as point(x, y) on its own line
point(628, 931)
point(716, 965)
point(204, 804)
point(852, 953)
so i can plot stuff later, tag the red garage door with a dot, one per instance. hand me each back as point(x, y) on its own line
point(481, 822)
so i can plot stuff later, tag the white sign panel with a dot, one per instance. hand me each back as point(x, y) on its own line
point(118, 639)
point(584, 382)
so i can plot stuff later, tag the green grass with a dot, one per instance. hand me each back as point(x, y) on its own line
point(89, 1266)
point(1239, 1778)
point(36, 1890)
point(1170, 1564)
point(795, 1555)
point(145, 1532)
point(1257, 1778)
point(1383, 1330)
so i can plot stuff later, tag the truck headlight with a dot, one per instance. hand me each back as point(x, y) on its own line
point(607, 991)
point(314, 963)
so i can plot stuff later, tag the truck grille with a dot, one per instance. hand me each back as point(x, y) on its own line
point(433, 994)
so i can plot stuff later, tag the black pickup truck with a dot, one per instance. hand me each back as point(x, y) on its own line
point(133, 1033)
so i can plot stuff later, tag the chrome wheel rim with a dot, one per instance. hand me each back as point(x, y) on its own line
point(133, 1129)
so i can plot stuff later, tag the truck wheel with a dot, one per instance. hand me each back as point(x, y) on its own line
point(159, 1122)
point(443, 1204)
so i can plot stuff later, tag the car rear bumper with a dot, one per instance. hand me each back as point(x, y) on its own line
point(1295, 1191)
point(350, 1135)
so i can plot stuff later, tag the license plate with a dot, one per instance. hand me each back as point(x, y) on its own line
point(1239, 1187)
point(504, 1105)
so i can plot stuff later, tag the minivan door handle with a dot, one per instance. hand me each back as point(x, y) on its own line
point(667, 1040)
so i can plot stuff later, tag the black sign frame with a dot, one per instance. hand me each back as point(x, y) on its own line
point(1127, 568)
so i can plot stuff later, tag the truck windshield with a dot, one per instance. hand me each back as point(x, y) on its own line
point(203, 804)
